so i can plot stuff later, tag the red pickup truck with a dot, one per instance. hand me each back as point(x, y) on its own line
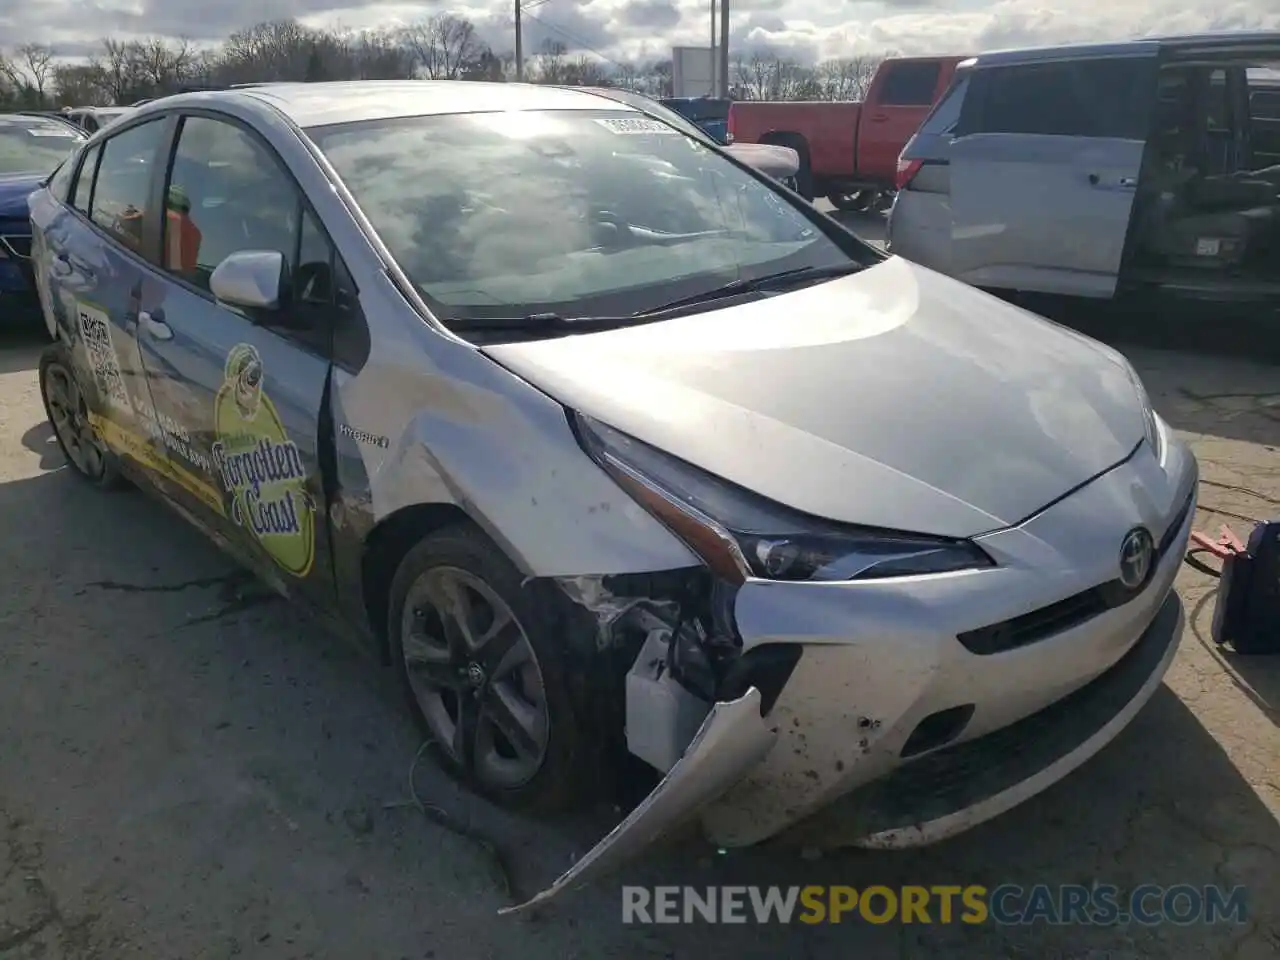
point(849, 151)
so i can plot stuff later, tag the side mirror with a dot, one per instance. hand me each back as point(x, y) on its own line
point(254, 279)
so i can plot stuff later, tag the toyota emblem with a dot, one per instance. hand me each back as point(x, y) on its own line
point(1137, 551)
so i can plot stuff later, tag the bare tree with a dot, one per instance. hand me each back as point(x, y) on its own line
point(79, 85)
point(276, 50)
point(443, 46)
point(846, 78)
point(35, 60)
point(549, 63)
point(163, 65)
point(119, 70)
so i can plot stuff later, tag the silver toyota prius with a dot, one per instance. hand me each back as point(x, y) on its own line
point(613, 448)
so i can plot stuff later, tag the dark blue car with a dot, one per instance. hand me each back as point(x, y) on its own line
point(31, 147)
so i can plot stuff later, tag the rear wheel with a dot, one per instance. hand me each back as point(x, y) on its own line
point(480, 656)
point(68, 413)
point(859, 201)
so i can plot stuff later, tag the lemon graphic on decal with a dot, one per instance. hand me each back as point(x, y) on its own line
point(262, 470)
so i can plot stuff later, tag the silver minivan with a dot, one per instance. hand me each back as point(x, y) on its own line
point(1095, 170)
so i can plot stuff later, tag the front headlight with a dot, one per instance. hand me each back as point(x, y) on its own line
point(740, 534)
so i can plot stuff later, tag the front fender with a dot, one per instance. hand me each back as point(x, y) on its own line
point(450, 425)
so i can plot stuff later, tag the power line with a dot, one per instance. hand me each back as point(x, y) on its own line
point(582, 44)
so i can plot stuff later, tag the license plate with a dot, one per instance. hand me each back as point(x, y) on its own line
point(1208, 248)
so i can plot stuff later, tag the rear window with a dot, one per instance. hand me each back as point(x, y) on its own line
point(943, 118)
point(570, 212)
point(1074, 98)
point(909, 84)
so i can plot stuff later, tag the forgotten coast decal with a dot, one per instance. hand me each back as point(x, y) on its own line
point(261, 468)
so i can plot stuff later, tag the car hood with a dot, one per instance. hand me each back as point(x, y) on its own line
point(895, 397)
point(770, 159)
point(14, 190)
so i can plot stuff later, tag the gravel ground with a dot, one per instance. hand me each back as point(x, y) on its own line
point(191, 769)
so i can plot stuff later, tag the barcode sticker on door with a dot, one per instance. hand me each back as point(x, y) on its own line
point(95, 329)
point(1208, 247)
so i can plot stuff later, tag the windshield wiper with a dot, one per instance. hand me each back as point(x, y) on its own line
point(543, 323)
point(557, 323)
point(770, 281)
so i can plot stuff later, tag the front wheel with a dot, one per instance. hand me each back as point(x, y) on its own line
point(68, 413)
point(480, 655)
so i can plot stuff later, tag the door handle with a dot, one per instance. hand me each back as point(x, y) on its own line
point(61, 265)
point(879, 118)
point(1094, 179)
point(1129, 182)
point(155, 326)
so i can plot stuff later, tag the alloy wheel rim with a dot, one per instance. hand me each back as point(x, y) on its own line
point(69, 416)
point(475, 677)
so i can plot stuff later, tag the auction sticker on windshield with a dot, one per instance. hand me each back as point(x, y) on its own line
point(261, 469)
point(635, 125)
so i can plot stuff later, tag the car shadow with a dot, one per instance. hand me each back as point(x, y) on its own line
point(40, 440)
point(1255, 676)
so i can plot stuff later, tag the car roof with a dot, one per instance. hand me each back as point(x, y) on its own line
point(348, 101)
point(1138, 47)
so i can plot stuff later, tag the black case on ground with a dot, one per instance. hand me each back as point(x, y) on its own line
point(1247, 611)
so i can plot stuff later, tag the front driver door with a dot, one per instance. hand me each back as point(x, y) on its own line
point(244, 390)
point(1044, 169)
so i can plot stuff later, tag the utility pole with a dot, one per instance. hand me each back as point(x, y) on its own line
point(714, 65)
point(724, 47)
point(519, 47)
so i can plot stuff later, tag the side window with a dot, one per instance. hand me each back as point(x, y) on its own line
point(1079, 98)
point(123, 185)
point(82, 189)
point(226, 193)
point(910, 84)
point(60, 182)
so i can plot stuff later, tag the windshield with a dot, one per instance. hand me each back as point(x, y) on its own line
point(34, 145)
point(569, 212)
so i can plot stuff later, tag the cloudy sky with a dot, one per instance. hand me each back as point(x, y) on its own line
point(624, 29)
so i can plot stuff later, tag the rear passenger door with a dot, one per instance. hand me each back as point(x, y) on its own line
point(91, 254)
point(1044, 168)
point(245, 390)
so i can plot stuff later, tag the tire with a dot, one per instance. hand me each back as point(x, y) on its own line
point(459, 695)
point(857, 202)
point(65, 406)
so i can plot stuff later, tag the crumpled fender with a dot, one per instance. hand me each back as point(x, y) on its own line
point(732, 740)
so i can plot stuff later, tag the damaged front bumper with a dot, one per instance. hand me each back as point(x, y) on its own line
point(911, 711)
point(732, 740)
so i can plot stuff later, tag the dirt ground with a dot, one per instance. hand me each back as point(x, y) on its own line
point(189, 769)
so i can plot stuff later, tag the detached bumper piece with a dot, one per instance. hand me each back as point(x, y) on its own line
point(955, 788)
point(733, 739)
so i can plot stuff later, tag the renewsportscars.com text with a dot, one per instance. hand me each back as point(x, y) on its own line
point(1007, 904)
